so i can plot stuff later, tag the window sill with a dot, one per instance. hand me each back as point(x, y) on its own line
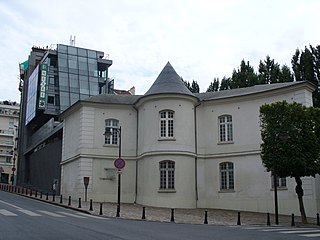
point(223, 143)
point(279, 189)
point(111, 145)
point(167, 139)
point(167, 191)
point(227, 191)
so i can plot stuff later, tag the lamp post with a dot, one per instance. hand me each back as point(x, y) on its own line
point(282, 136)
point(109, 133)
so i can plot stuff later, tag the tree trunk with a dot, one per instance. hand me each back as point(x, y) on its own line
point(299, 192)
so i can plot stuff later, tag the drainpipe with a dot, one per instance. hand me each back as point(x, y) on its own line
point(137, 138)
point(196, 153)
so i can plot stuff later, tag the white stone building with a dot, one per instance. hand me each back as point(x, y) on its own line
point(182, 150)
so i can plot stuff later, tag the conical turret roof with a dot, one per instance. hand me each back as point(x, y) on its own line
point(168, 81)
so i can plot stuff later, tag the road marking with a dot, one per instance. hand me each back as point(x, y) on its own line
point(91, 216)
point(275, 229)
point(310, 235)
point(71, 215)
point(50, 213)
point(30, 213)
point(302, 231)
point(9, 204)
point(7, 213)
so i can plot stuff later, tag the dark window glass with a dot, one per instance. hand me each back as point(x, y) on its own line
point(51, 99)
point(74, 98)
point(84, 85)
point(62, 48)
point(63, 81)
point(94, 87)
point(74, 83)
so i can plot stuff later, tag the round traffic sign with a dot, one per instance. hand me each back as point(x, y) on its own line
point(119, 163)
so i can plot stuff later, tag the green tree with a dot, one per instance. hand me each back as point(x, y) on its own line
point(214, 86)
point(269, 71)
point(306, 67)
point(298, 155)
point(195, 87)
point(285, 74)
point(226, 84)
point(244, 76)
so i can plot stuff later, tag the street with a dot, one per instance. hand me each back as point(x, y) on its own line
point(25, 218)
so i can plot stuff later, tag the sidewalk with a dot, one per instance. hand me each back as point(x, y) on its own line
point(135, 211)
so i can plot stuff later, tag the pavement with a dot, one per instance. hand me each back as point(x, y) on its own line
point(187, 216)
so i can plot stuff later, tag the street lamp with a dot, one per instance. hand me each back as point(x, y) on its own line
point(109, 133)
point(282, 136)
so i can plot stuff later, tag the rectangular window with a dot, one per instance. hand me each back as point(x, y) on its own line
point(225, 128)
point(167, 169)
point(111, 131)
point(226, 176)
point(166, 124)
point(281, 182)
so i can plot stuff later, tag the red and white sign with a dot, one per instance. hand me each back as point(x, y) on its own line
point(119, 163)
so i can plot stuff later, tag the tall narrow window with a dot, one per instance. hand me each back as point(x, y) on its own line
point(166, 124)
point(225, 128)
point(166, 174)
point(111, 134)
point(226, 176)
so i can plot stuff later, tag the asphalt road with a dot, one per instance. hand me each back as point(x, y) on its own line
point(24, 218)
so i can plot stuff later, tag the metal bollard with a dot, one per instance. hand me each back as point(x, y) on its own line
point(292, 220)
point(53, 198)
point(172, 215)
point(47, 197)
point(91, 208)
point(30, 192)
point(100, 213)
point(61, 198)
point(143, 213)
point(205, 217)
point(79, 205)
point(22, 191)
point(69, 201)
point(318, 219)
point(239, 221)
point(36, 194)
point(40, 195)
point(268, 219)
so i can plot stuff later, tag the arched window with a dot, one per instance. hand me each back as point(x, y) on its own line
point(167, 169)
point(226, 176)
point(166, 123)
point(111, 134)
point(225, 128)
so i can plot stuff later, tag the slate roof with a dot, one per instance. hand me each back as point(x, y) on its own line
point(244, 91)
point(168, 81)
point(113, 99)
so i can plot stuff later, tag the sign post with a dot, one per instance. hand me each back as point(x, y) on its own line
point(119, 164)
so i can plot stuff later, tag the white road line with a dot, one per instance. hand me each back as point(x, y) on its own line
point(310, 235)
point(91, 216)
point(275, 229)
point(71, 215)
point(50, 213)
point(9, 204)
point(302, 231)
point(7, 213)
point(30, 213)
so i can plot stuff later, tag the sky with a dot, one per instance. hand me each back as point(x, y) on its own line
point(202, 39)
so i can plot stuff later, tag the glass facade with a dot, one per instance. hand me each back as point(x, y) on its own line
point(73, 74)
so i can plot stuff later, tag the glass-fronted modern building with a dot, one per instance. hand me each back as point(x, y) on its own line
point(53, 79)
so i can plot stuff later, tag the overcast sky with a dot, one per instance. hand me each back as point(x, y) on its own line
point(202, 39)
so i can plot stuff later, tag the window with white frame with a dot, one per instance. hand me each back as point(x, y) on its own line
point(225, 128)
point(281, 182)
point(226, 176)
point(166, 124)
point(167, 169)
point(111, 133)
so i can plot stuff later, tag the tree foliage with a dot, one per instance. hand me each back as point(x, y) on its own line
point(244, 76)
point(214, 86)
point(193, 87)
point(298, 154)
